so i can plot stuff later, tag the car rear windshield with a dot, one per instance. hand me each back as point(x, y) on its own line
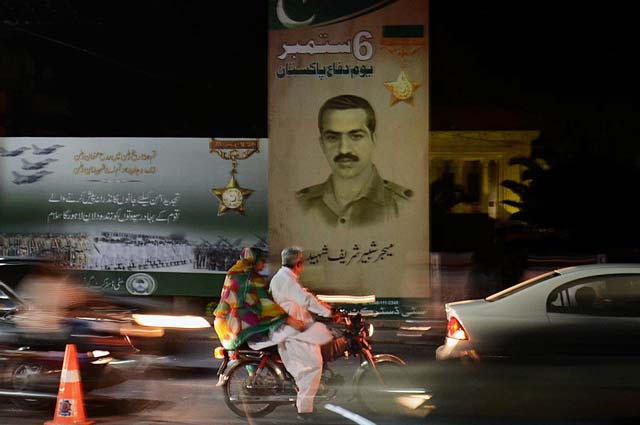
point(520, 286)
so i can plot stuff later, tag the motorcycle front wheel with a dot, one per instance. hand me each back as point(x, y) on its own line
point(245, 386)
point(377, 388)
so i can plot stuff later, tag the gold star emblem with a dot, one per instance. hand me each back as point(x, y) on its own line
point(231, 197)
point(402, 89)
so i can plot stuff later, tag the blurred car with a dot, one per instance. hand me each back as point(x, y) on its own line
point(115, 336)
point(31, 363)
point(590, 310)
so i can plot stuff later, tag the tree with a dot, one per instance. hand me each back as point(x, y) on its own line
point(580, 181)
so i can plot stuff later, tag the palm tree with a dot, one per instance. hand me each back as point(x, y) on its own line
point(580, 183)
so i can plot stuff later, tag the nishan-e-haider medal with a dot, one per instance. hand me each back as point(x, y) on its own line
point(232, 196)
point(402, 41)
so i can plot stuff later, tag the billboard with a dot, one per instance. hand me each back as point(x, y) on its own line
point(177, 210)
point(348, 125)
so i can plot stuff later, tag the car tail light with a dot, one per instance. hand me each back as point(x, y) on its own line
point(455, 330)
point(219, 353)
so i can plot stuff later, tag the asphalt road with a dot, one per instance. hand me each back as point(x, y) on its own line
point(187, 395)
point(527, 395)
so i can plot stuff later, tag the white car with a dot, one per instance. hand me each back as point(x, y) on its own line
point(576, 312)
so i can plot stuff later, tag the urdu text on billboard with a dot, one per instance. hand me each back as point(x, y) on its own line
point(348, 125)
point(146, 216)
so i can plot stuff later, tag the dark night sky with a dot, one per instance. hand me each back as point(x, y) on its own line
point(531, 54)
point(154, 68)
point(186, 68)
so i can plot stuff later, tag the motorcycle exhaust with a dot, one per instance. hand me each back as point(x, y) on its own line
point(272, 399)
point(264, 399)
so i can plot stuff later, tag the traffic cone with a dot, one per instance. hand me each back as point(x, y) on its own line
point(69, 405)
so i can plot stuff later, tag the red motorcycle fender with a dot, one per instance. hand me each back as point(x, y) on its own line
point(378, 358)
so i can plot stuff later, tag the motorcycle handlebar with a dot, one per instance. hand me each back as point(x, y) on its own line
point(336, 317)
point(323, 319)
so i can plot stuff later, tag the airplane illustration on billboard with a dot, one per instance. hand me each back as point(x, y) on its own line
point(16, 152)
point(29, 178)
point(26, 165)
point(47, 150)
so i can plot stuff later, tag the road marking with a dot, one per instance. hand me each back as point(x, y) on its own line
point(348, 414)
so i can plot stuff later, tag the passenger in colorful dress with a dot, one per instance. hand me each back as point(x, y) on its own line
point(246, 309)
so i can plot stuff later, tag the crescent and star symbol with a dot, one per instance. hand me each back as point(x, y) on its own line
point(402, 89)
point(231, 197)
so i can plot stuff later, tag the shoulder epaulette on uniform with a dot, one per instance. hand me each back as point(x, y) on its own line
point(401, 191)
point(310, 192)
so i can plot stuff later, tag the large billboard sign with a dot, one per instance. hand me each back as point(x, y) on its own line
point(348, 125)
point(172, 213)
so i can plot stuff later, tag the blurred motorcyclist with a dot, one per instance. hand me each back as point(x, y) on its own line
point(55, 297)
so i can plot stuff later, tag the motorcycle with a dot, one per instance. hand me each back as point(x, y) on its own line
point(256, 382)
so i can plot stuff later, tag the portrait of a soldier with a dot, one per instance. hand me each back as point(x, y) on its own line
point(354, 194)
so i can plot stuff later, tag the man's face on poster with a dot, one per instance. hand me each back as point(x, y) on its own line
point(347, 142)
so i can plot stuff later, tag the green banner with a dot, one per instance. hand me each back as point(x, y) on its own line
point(144, 216)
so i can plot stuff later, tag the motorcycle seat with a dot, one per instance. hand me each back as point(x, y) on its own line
point(271, 351)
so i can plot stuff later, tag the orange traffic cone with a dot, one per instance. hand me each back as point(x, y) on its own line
point(69, 405)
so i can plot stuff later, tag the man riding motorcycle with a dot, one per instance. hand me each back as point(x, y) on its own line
point(300, 351)
point(247, 313)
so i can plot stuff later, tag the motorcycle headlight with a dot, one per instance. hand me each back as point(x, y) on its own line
point(177, 322)
point(370, 330)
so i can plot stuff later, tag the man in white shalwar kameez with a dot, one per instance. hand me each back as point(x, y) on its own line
point(299, 350)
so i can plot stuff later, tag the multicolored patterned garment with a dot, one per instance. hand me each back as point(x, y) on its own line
point(245, 308)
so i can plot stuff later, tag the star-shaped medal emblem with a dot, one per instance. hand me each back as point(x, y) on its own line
point(402, 89)
point(231, 197)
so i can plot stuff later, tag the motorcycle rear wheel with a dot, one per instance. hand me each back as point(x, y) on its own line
point(236, 387)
